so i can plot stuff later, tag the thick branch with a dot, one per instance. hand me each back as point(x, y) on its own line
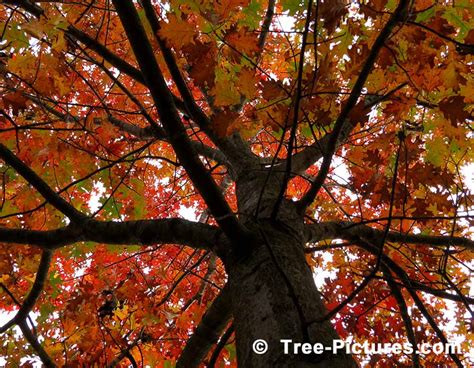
point(29, 6)
point(407, 283)
point(402, 307)
point(143, 232)
point(220, 346)
point(351, 230)
point(67, 117)
point(311, 154)
point(40, 185)
point(208, 331)
point(48, 239)
point(193, 109)
point(149, 133)
point(145, 133)
point(113, 59)
point(233, 147)
point(441, 293)
point(342, 119)
point(415, 285)
point(108, 55)
point(462, 48)
point(173, 125)
point(296, 106)
point(125, 353)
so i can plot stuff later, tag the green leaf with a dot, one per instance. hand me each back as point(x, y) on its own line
point(45, 310)
point(231, 350)
point(293, 6)
point(252, 16)
point(168, 364)
point(425, 15)
point(436, 150)
point(306, 131)
point(55, 281)
point(80, 249)
point(17, 36)
point(391, 5)
point(278, 133)
point(452, 16)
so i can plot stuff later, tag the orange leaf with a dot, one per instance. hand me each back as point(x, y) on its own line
point(177, 32)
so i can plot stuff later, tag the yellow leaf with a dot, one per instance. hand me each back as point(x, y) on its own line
point(225, 94)
point(30, 278)
point(4, 278)
point(121, 313)
point(62, 85)
point(59, 44)
point(450, 76)
point(246, 82)
point(23, 65)
point(433, 208)
point(34, 28)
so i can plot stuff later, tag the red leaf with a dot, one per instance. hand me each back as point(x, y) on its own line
point(16, 101)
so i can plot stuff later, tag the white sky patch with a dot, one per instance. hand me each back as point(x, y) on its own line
point(81, 271)
point(342, 175)
point(286, 23)
point(467, 171)
point(321, 273)
point(97, 192)
point(188, 213)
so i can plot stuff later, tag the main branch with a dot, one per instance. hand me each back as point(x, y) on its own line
point(173, 125)
point(142, 232)
point(351, 230)
point(233, 147)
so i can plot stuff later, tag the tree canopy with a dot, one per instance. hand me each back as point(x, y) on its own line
point(147, 147)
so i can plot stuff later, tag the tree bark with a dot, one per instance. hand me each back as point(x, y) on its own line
point(274, 298)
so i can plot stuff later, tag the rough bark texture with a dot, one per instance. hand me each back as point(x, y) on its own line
point(274, 296)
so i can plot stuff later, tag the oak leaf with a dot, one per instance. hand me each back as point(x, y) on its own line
point(177, 32)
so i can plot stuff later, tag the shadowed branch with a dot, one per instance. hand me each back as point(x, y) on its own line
point(208, 331)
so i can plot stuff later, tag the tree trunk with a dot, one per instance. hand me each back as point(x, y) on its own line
point(274, 298)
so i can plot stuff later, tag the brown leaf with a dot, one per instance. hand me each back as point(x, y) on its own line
point(222, 121)
point(469, 39)
point(332, 11)
point(202, 63)
point(453, 109)
point(359, 114)
point(242, 41)
point(441, 25)
point(271, 90)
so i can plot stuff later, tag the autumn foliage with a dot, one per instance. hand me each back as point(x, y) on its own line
point(363, 107)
